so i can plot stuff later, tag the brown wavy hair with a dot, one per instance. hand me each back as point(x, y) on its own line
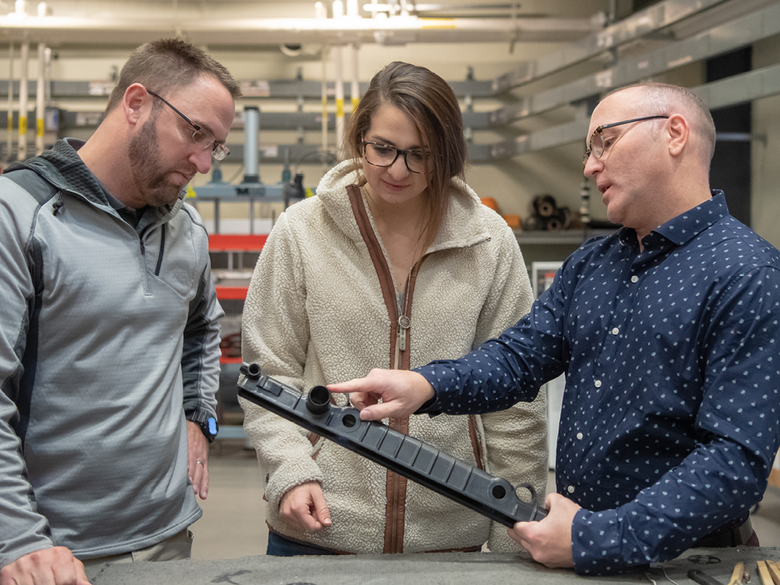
point(431, 104)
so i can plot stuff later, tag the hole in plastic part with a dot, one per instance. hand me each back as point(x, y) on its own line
point(349, 420)
point(525, 493)
point(499, 492)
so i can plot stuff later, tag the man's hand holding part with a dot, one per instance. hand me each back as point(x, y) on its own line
point(549, 541)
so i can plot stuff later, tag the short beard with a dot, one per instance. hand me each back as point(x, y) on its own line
point(150, 181)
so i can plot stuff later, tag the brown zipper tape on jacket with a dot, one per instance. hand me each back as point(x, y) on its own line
point(396, 485)
point(378, 258)
point(408, 296)
point(395, 506)
point(388, 294)
point(476, 444)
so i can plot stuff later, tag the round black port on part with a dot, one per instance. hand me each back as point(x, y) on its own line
point(499, 492)
point(318, 400)
point(251, 371)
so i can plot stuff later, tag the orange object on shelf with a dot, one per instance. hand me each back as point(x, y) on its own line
point(512, 220)
point(490, 202)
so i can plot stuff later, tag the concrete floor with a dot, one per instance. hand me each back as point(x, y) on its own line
point(233, 524)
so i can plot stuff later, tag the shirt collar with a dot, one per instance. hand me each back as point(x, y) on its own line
point(687, 225)
point(691, 223)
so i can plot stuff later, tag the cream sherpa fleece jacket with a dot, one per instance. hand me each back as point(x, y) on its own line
point(322, 309)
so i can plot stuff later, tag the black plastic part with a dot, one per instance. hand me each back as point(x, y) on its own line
point(491, 496)
point(318, 400)
point(702, 577)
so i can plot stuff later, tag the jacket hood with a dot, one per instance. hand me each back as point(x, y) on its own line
point(462, 225)
point(63, 168)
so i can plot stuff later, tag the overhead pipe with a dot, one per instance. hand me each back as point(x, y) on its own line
point(10, 130)
point(40, 99)
point(338, 14)
point(251, 150)
point(247, 31)
point(339, 80)
point(24, 59)
point(324, 104)
point(40, 91)
point(20, 16)
point(354, 91)
point(321, 14)
point(645, 23)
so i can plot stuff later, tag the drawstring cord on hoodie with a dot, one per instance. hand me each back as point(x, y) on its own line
point(57, 205)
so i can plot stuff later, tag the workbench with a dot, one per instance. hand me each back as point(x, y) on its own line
point(420, 569)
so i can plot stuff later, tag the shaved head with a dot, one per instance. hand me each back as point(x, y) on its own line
point(662, 98)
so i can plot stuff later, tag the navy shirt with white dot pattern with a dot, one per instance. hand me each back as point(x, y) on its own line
point(671, 412)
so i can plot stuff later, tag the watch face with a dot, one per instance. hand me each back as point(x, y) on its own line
point(212, 422)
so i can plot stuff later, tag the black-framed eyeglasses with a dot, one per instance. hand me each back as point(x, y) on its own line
point(384, 155)
point(597, 145)
point(203, 137)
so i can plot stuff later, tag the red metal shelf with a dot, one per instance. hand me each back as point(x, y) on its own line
point(236, 242)
point(231, 292)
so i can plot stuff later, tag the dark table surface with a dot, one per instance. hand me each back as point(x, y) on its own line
point(423, 569)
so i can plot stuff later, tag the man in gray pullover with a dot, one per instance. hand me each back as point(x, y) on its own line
point(109, 328)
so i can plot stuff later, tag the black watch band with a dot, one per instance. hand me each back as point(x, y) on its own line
point(208, 425)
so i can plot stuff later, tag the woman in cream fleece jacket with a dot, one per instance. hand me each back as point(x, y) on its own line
point(393, 264)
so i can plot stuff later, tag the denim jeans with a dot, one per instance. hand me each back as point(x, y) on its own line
point(279, 546)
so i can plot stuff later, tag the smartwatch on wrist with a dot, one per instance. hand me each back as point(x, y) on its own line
point(207, 423)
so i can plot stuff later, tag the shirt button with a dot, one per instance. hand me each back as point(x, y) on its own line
point(597, 383)
point(635, 279)
point(579, 435)
point(570, 489)
point(615, 331)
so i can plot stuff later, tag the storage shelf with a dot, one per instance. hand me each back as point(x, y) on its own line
point(575, 237)
point(237, 242)
point(231, 293)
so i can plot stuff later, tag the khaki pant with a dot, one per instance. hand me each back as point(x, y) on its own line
point(176, 548)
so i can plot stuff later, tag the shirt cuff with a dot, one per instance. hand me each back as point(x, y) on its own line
point(599, 544)
point(439, 378)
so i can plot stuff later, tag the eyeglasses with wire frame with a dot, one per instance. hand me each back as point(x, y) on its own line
point(200, 136)
point(384, 155)
point(596, 144)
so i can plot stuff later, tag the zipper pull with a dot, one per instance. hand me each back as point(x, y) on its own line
point(403, 325)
